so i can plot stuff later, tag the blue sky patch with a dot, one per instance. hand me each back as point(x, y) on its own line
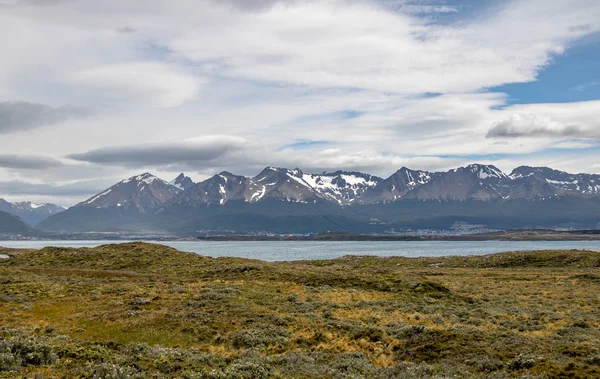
point(328, 117)
point(572, 76)
point(304, 144)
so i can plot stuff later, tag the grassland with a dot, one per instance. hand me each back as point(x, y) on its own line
point(147, 311)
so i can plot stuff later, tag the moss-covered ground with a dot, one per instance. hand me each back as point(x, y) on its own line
point(148, 311)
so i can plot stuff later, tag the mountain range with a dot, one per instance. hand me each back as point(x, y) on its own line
point(30, 212)
point(18, 218)
point(280, 200)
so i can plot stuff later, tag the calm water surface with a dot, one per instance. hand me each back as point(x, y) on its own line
point(309, 250)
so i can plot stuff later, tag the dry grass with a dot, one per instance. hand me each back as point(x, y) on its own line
point(141, 310)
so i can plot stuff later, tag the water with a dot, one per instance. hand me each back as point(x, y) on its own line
point(311, 250)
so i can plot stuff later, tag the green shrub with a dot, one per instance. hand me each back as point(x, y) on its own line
point(21, 352)
point(372, 334)
point(403, 331)
point(10, 362)
point(521, 362)
point(486, 364)
point(593, 360)
point(138, 301)
point(246, 370)
point(354, 365)
point(260, 336)
point(111, 371)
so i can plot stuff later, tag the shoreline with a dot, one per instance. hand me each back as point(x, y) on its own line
point(509, 235)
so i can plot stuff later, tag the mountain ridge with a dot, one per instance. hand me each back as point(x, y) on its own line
point(342, 200)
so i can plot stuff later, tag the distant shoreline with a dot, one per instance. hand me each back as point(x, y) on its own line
point(510, 235)
point(516, 235)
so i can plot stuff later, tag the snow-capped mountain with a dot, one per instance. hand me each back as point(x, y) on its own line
point(487, 171)
point(396, 186)
point(143, 192)
point(284, 184)
point(216, 190)
point(29, 212)
point(289, 200)
point(474, 182)
point(565, 183)
point(344, 187)
point(182, 182)
point(532, 188)
point(279, 184)
point(128, 206)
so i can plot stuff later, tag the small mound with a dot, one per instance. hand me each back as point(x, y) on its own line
point(543, 258)
point(134, 256)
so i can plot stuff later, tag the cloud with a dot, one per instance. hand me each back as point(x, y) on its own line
point(304, 144)
point(16, 116)
point(529, 125)
point(575, 144)
point(147, 83)
point(277, 73)
point(28, 162)
point(362, 45)
point(254, 5)
point(586, 86)
point(126, 30)
point(549, 121)
point(366, 160)
point(427, 9)
point(79, 188)
point(196, 151)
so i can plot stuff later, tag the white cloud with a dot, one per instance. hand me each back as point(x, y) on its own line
point(566, 120)
point(271, 72)
point(586, 86)
point(530, 125)
point(341, 44)
point(144, 83)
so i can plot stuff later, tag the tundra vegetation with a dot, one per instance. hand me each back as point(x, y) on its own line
point(139, 310)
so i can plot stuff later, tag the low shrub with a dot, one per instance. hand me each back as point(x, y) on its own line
point(521, 362)
point(21, 352)
point(260, 336)
point(111, 371)
point(139, 301)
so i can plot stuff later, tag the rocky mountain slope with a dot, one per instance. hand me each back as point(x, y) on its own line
point(289, 200)
point(396, 186)
point(122, 207)
point(30, 212)
point(182, 182)
point(143, 192)
point(560, 181)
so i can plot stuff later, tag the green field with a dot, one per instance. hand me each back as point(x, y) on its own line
point(147, 311)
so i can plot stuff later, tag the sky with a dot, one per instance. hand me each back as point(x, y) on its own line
point(92, 92)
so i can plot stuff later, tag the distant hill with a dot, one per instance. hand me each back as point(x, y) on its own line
point(280, 200)
point(12, 225)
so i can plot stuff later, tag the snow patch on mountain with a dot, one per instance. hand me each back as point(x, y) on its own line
point(100, 195)
point(342, 187)
point(487, 171)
